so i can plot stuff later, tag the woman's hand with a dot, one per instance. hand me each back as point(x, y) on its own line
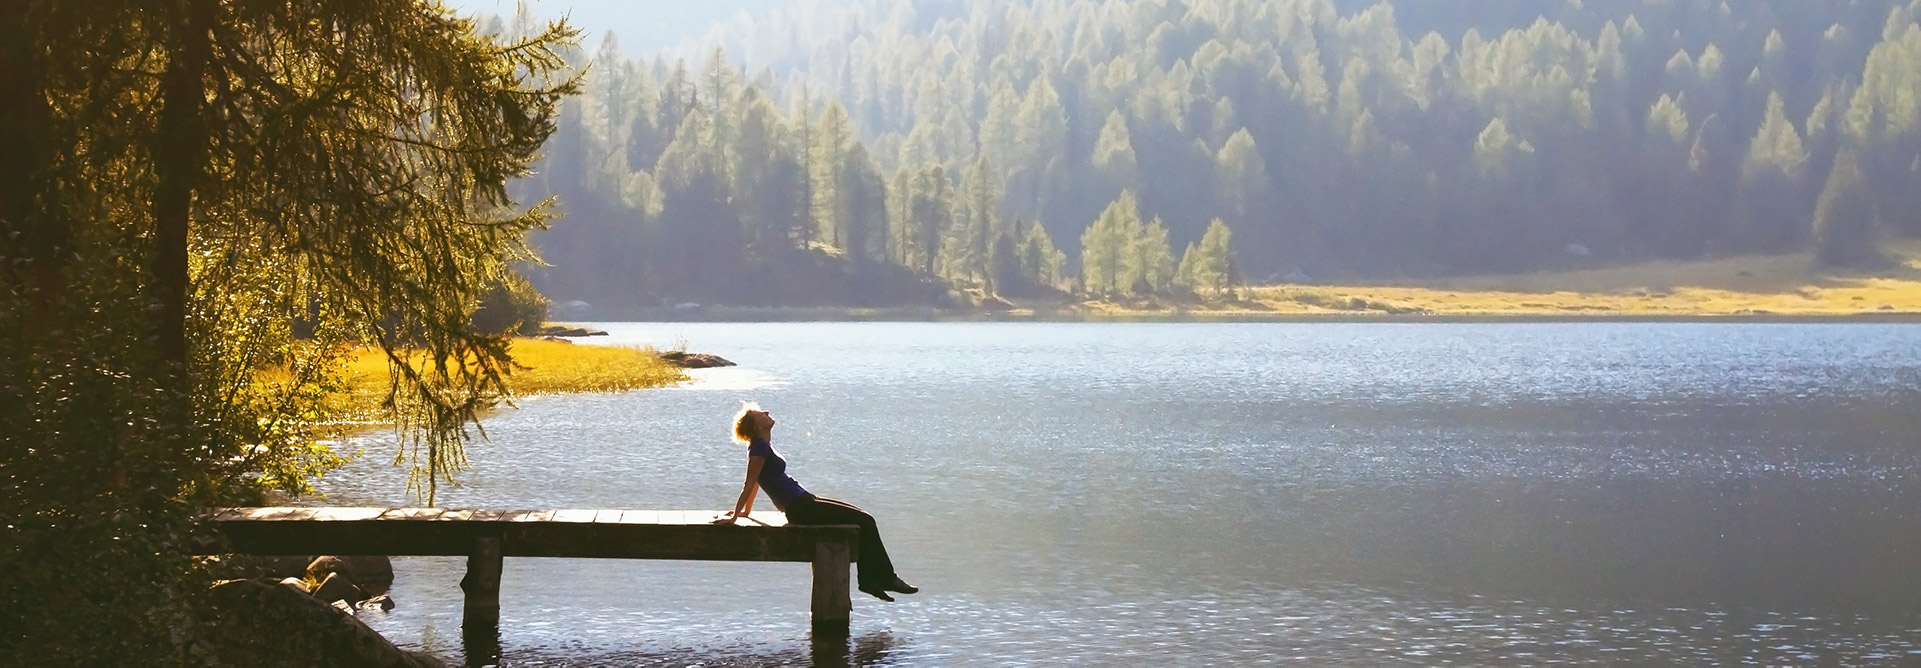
point(726, 518)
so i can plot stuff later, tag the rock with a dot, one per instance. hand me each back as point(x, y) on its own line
point(338, 588)
point(687, 360)
point(321, 567)
point(382, 602)
point(244, 566)
point(260, 624)
point(564, 330)
point(374, 574)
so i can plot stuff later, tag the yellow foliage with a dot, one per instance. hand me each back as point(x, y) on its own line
point(543, 367)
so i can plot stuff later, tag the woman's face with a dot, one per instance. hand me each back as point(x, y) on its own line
point(764, 420)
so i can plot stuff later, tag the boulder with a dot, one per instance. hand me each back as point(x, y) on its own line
point(381, 602)
point(244, 566)
point(338, 587)
point(323, 566)
point(687, 360)
point(260, 624)
point(374, 574)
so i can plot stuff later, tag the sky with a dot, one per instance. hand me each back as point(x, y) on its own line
point(643, 26)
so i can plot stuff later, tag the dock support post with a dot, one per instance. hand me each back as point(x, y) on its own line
point(480, 620)
point(832, 608)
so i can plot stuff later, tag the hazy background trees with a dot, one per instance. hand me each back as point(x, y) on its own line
point(877, 152)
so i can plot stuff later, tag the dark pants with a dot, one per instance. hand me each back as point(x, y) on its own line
point(876, 570)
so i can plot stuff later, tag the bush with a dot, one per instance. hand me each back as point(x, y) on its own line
point(512, 305)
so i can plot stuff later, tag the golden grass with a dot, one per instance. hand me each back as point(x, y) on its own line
point(1784, 285)
point(551, 367)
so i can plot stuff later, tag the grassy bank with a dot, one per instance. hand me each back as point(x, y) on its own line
point(1746, 287)
point(551, 367)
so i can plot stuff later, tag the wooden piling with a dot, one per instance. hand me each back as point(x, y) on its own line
point(482, 585)
point(832, 607)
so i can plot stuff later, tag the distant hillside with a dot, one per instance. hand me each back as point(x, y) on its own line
point(1088, 145)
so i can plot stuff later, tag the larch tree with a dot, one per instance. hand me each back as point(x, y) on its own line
point(1844, 219)
point(1108, 258)
point(205, 205)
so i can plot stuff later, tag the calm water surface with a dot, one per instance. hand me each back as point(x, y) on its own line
point(1238, 493)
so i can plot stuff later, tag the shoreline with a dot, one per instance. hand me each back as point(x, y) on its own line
point(928, 314)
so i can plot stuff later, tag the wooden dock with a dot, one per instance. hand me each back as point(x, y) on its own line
point(485, 537)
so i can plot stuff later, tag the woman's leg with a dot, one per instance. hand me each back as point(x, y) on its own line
point(876, 570)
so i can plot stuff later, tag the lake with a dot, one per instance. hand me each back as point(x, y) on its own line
point(1216, 493)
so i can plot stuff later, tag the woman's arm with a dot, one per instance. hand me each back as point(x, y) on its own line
point(745, 504)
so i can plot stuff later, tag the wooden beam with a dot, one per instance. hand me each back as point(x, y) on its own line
point(487, 537)
point(589, 534)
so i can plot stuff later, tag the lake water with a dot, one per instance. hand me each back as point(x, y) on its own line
point(1069, 493)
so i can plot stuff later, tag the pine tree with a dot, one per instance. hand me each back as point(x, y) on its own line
point(204, 205)
point(1213, 272)
point(1844, 219)
point(1109, 260)
point(1039, 260)
point(979, 222)
point(1241, 175)
point(1152, 261)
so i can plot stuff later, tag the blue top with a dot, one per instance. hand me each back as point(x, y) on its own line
point(773, 475)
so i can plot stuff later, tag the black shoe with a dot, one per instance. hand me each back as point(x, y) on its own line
point(879, 593)
point(901, 586)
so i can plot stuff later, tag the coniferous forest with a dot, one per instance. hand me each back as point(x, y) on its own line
point(874, 153)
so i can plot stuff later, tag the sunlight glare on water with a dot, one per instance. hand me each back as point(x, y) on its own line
point(1233, 493)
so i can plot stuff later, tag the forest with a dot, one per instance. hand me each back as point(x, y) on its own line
point(874, 153)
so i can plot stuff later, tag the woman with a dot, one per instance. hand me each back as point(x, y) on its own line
point(766, 470)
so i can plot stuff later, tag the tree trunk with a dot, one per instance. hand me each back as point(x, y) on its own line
point(40, 235)
point(179, 164)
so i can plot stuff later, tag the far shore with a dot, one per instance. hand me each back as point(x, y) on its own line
point(851, 314)
point(1749, 289)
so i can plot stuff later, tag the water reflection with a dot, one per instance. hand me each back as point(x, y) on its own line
point(872, 649)
point(876, 648)
point(480, 644)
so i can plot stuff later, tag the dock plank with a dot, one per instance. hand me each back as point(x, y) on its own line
point(279, 513)
point(347, 514)
point(580, 532)
point(411, 513)
point(581, 515)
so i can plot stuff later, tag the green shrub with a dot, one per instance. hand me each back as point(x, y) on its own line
point(511, 305)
